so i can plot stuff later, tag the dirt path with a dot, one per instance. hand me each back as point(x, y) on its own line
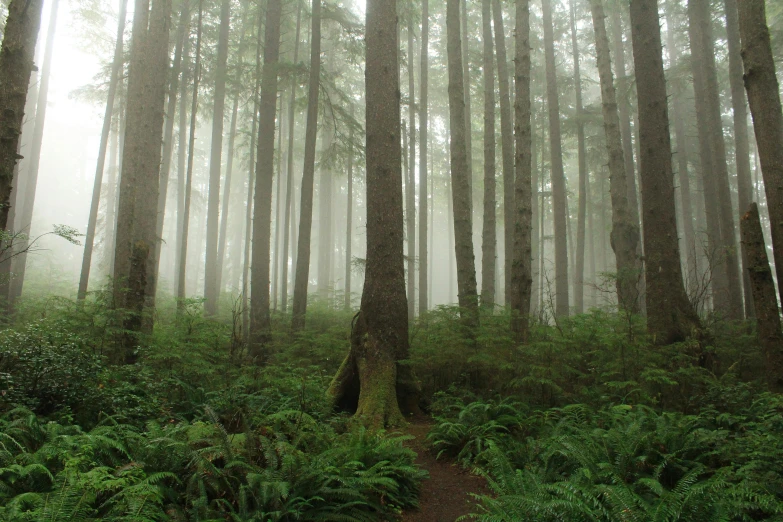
point(446, 496)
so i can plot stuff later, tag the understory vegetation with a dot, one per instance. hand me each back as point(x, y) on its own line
point(586, 422)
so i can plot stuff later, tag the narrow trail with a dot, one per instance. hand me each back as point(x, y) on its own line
point(446, 495)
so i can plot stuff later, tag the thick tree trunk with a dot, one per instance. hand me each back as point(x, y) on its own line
point(136, 239)
point(460, 173)
point(379, 337)
point(741, 139)
point(521, 270)
point(211, 292)
point(410, 184)
point(16, 65)
point(559, 204)
point(766, 300)
point(579, 275)
point(625, 234)
point(89, 239)
point(489, 233)
point(507, 146)
point(670, 316)
point(188, 187)
point(289, 179)
point(702, 49)
point(465, 51)
point(308, 174)
point(424, 284)
point(764, 99)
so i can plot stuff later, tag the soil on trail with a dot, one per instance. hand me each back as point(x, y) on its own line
point(446, 495)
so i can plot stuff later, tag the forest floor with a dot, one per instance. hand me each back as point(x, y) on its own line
point(446, 495)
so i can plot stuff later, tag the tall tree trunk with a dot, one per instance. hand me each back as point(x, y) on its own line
point(535, 197)
point(521, 269)
point(489, 233)
point(278, 216)
point(89, 239)
point(16, 65)
point(308, 175)
point(460, 172)
point(182, 155)
point(741, 140)
point(625, 234)
point(579, 275)
point(410, 183)
point(763, 286)
point(134, 271)
point(559, 204)
point(349, 222)
point(188, 188)
point(424, 285)
point(670, 316)
point(289, 182)
point(465, 51)
point(211, 291)
point(507, 145)
point(265, 170)
point(225, 209)
point(763, 91)
point(702, 49)
point(681, 143)
point(379, 337)
point(325, 246)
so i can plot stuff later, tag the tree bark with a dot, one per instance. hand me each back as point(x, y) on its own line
point(521, 269)
point(766, 300)
point(489, 233)
point(89, 239)
point(424, 284)
point(379, 337)
point(410, 184)
point(670, 316)
point(460, 173)
point(182, 155)
point(225, 209)
point(465, 51)
point(308, 174)
point(579, 275)
point(349, 222)
point(262, 205)
point(134, 270)
point(559, 204)
point(625, 234)
point(16, 65)
point(183, 244)
point(211, 291)
point(763, 90)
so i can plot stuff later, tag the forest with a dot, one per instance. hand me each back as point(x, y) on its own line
point(391, 260)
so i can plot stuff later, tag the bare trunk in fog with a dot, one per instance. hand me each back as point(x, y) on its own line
point(625, 234)
point(463, 221)
point(424, 284)
point(766, 300)
point(16, 65)
point(134, 270)
point(379, 336)
point(464, 49)
point(278, 217)
point(211, 291)
point(262, 205)
point(349, 222)
point(521, 269)
point(188, 186)
point(579, 275)
point(89, 239)
point(226, 208)
point(670, 316)
point(182, 149)
point(410, 183)
point(559, 204)
point(302, 275)
point(764, 99)
point(489, 232)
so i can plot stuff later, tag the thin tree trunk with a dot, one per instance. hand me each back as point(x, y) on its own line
point(211, 291)
point(324, 267)
point(424, 284)
point(465, 51)
point(741, 140)
point(625, 234)
point(182, 155)
point(535, 197)
point(349, 222)
point(89, 239)
point(289, 183)
point(224, 211)
point(450, 233)
point(308, 175)
point(183, 245)
point(410, 184)
point(579, 275)
point(559, 204)
point(670, 316)
point(265, 170)
point(489, 232)
point(16, 65)
point(521, 276)
point(765, 297)
point(278, 216)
